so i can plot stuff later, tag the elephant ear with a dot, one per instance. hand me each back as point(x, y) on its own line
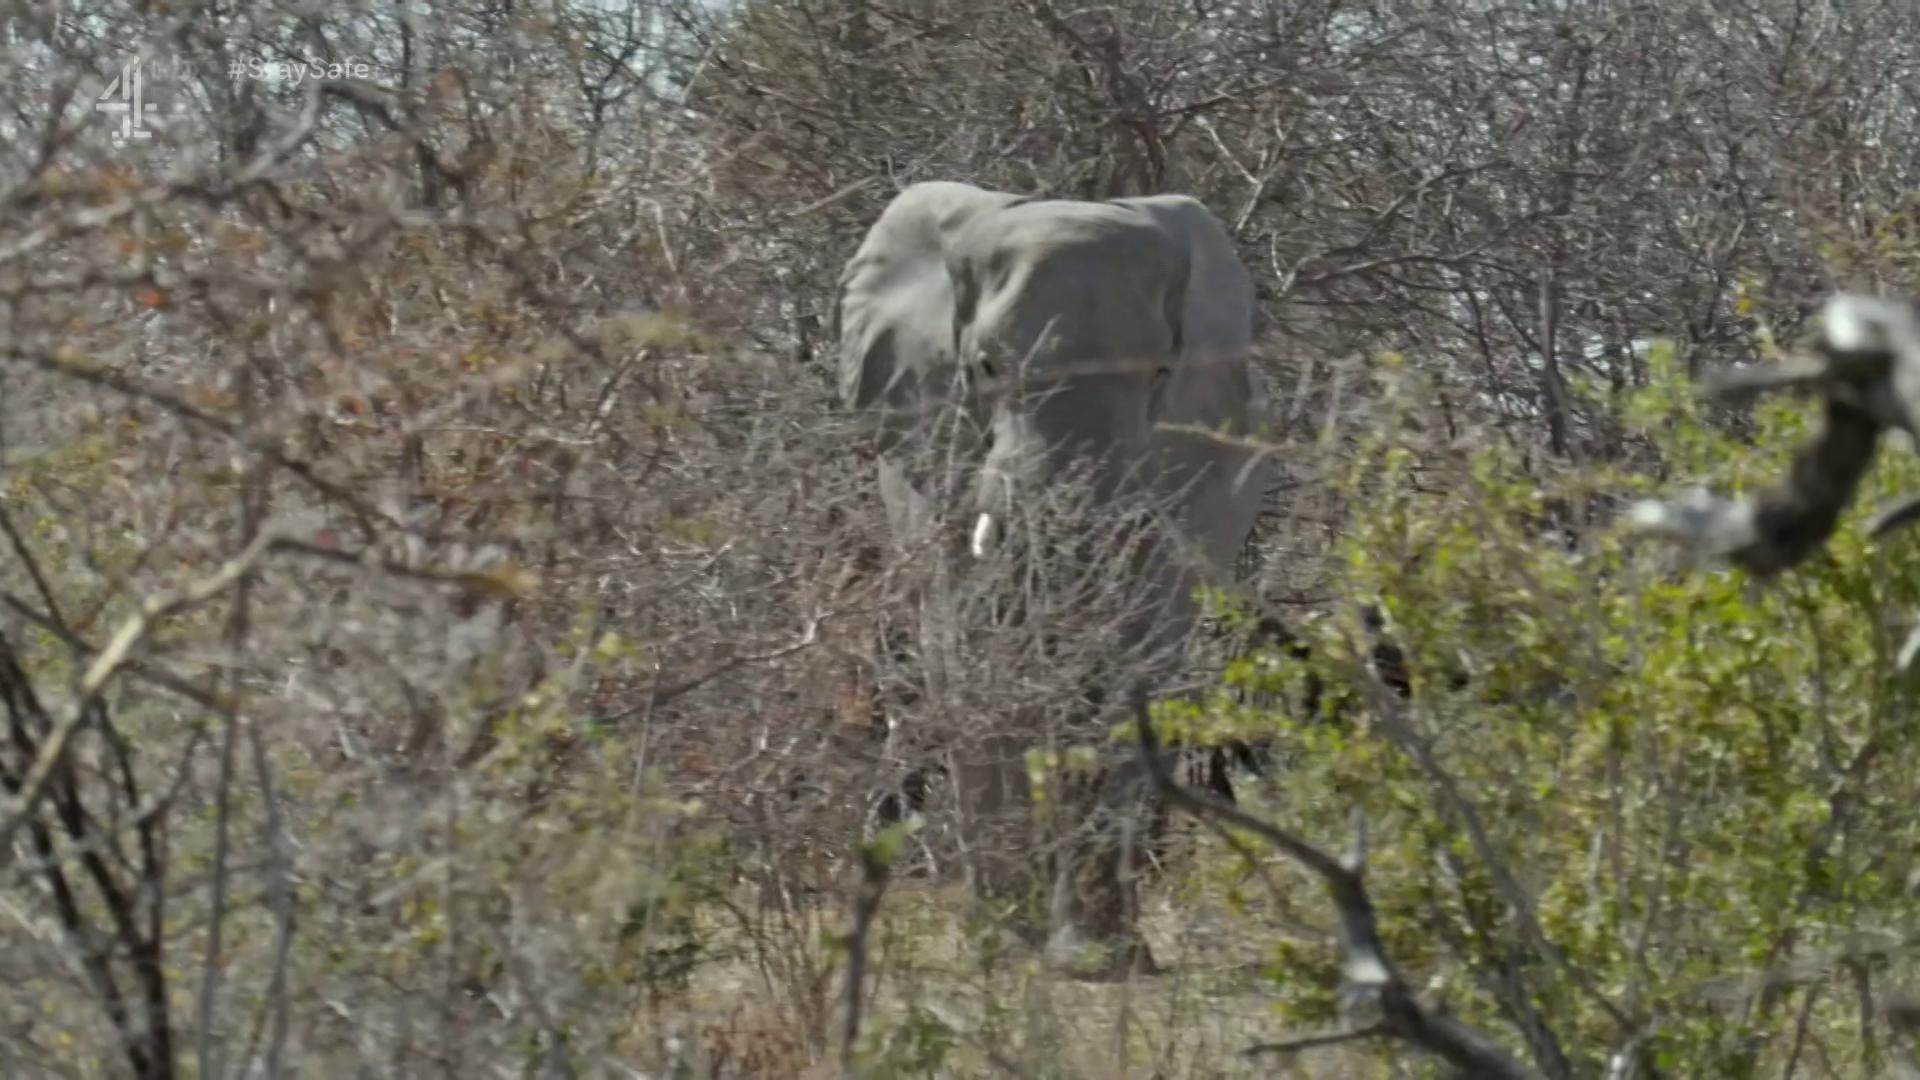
point(1212, 310)
point(895, 314)
point(866, 364)
point(1173, 308)
point(854, 383)
point(965, 290)
point(1157, 392)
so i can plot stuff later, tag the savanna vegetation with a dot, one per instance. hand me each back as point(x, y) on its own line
point(441, 602)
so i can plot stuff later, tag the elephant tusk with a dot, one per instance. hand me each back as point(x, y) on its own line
point(983, 530)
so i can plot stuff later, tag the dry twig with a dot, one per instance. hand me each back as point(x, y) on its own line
point(1369, 974)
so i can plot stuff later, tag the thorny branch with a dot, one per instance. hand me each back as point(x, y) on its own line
point(99, 375)
point(118, 651)
point(132, 901)
point(131, 632)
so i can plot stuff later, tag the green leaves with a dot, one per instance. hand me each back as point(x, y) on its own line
point(1690, 778)
point(884, 848)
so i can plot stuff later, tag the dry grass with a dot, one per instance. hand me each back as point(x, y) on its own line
point(1008, 1016)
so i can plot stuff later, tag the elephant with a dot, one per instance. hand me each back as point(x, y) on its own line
point(1097, 347)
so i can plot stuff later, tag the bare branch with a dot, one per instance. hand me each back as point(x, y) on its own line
point(1368, 972)
point(117, 651)
point(1289, 1047)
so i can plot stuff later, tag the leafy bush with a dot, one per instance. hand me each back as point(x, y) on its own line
point(1669, 813)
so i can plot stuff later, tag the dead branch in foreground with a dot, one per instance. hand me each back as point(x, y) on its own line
point(1860, 367)
point(1370, 977)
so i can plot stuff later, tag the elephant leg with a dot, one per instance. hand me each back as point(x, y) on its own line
point(1095, 907)
point(1220, 763)
point(1117, 823)
point(1080, 906)
point(892, 698)
point(997, 828)
point(915, 789)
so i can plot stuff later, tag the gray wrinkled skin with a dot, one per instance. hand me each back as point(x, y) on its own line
point(1074, 331)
